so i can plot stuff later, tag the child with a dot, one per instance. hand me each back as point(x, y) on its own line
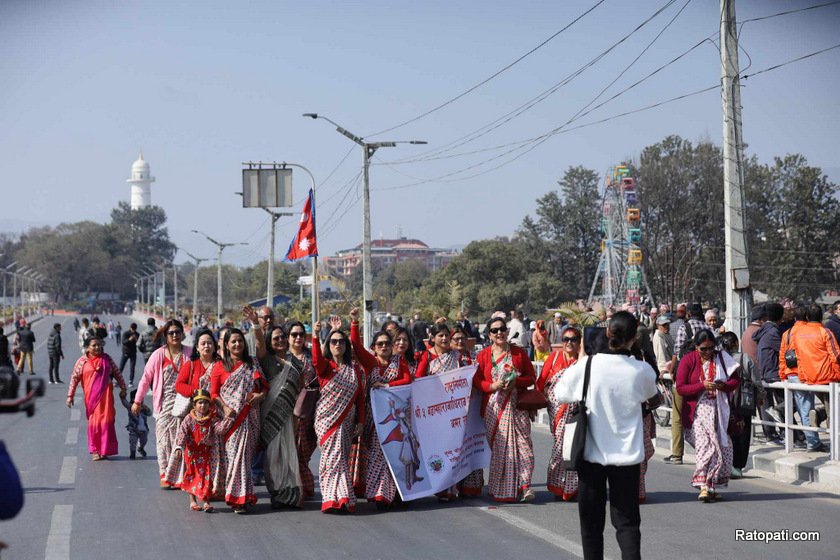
point(200, 438)
point(138, 427)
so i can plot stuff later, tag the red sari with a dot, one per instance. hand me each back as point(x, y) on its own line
point(379, 484)
point(561, 482)
point(95, 374)
point(342, 400)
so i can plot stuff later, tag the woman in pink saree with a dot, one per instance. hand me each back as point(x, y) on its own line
point(94, 370)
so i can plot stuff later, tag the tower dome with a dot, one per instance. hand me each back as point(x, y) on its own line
point(141, 184)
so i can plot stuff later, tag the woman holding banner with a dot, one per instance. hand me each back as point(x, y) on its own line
point(383, 369)
point(339, 417)
point(503, 371)
point(561, 482)
point(440, 358)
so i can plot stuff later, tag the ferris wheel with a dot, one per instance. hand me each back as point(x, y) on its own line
point(620, 274)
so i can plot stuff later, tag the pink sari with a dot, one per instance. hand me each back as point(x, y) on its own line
point(95, 376)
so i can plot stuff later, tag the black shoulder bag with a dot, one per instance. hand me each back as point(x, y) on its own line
point(577, 425)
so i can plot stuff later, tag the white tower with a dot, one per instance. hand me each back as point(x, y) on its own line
point(141, 184)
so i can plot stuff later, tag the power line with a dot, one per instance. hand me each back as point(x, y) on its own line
point(788, 12)
point(492, 76)
point(756, 73)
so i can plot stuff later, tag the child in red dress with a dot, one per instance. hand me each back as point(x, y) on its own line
point(200, 438)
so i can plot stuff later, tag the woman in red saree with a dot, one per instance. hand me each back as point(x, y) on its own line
point(404, 346)
point(561, 482)
point(237, 387)
point(161, 373)
point(195, 373)
point(340, 407)
point(95, 370)
point(503, 370)
point(383, 369)
point(440, 358)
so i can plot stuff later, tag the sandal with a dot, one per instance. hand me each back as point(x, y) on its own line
point(209, 509)
point(195, 507)
point(239, 509)
point(96, 457)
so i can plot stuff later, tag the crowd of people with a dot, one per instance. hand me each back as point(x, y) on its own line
point(241, 409)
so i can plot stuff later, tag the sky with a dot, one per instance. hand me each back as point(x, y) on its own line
point(200, 87)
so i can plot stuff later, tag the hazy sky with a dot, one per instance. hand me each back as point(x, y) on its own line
point(200, 87)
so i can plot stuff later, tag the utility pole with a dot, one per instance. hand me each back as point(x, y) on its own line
point(175, 290)
point(738, 291)
point(195, 286)
point(367, 270)
point(221, 247)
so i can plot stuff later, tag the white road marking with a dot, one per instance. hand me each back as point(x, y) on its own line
point(68, 470)
point(72, 435)
point(75, 414)
point(551, 538)
point(58, 540)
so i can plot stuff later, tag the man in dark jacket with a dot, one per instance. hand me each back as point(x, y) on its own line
point(98, 330)
point(148, 340)
point(833, 323)
point(129, 351)
point(55, 353)
point(768, 340)
point(26, 345)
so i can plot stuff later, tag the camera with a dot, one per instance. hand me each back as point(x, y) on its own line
point(9, 388)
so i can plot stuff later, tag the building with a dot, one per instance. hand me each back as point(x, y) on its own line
point(141, 184)
point(385, 252)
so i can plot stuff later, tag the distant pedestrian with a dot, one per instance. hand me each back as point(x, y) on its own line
point(129, 351)
point(137, 427)
point(76, 324)
point(26, 345)
point(94, 371)
point(84, 335)
point(148, 340)
point(98, 330)
point(118, 333)
point(5, 358)
point(55, 353)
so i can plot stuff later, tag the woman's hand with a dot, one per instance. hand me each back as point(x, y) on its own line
point(178, 453)
point(69, 402)
point(354, 315)
point(710, 385)
point(229, 412)
point(123, 393)
point(360, 428)
point(256, 398)
point(379, 385)
point(496, 386)
point(335, 322)
point(135, 409)
point(316, 328)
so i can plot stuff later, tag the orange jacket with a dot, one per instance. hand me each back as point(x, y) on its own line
point(817, 354)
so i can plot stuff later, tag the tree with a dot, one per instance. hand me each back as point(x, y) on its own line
point(565, 236)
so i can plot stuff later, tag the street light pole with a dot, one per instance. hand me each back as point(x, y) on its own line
point(367, 269)
point(221, 248)
point(195, 286)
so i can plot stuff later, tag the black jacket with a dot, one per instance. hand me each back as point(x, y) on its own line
point(26, 339)
point(54, 344)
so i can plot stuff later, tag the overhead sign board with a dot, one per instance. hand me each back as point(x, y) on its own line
point(266, 188)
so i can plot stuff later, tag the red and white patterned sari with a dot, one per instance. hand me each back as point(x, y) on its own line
point(241, 440)
point(509, 435)
point(335, 418)
point(306, 438)
point(561, 482)
point(379, 484)
point(166, 426)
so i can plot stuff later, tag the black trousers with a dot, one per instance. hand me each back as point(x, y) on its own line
point(741, 445)
point(54, 361)
point(624, 509)
point(124, 359)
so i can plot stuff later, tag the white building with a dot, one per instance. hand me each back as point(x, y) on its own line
point(141, 184)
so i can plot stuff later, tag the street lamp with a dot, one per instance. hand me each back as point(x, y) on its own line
point(221, 247)
point(369, 149)
point(198, 262)
point(21, 271)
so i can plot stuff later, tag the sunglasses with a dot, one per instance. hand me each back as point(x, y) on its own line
point(297, 334)
point(497, 330)
point(174, 333)
point(336, 341)
point(458, 339)
point(706, 348)
point(383, 343)
point(573, 339)
point(278, 338)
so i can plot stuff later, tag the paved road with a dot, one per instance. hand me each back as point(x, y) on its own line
point(83, 510)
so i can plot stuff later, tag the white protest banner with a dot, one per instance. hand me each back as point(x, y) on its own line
point(431, 431)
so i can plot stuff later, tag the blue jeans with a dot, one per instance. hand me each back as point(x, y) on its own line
point(804, 401)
